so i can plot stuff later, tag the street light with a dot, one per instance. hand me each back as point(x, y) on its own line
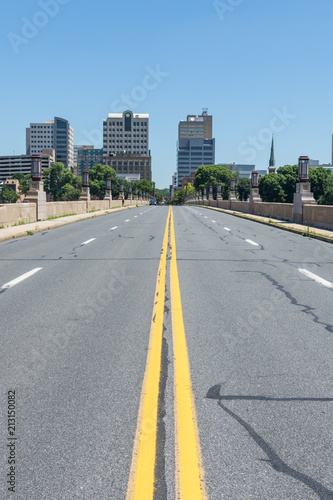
point(108, 183)
point(85, 178)
point(36, 167)
point(303, 168)
point(254, 178)
point(232, 184)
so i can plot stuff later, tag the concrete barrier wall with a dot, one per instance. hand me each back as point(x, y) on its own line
point(313, 215)
point(318, 216)
point(14, 213)
point(240, 206)
point(57, 208)
point(222, 204)
point(282, 211)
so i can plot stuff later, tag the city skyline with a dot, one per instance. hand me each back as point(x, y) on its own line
point(258, 68)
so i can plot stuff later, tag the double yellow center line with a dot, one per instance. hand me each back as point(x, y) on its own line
point(189, 472)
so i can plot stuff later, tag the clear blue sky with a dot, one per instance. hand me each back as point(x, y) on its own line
point(247, 61)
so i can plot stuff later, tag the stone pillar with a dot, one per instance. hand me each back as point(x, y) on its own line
point(85, 192)
point(108, 192)
point(121, 193)
point(130, 193)
point(210, 193)
point(254, 195)
point(204, 198)
point(140, 195)
point(136, 197)
point(303, 195)
point(36, 193)
point(232, 195)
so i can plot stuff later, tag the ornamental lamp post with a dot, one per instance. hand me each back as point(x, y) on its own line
point(303, 168)
point(36, 167)
point(85, 178)
point(232, 196)
point(108, 183)
point(254, 179)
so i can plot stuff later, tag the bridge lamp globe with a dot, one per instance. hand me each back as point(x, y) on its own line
point(36, 167)
point(85, 178)
point(108, 183)
point(254, 178)
point(232, 184)
point(303, 168)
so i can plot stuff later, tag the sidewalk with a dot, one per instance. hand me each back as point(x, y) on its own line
point(310, 232)
point(7, 233)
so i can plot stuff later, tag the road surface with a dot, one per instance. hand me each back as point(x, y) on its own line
point(163, 354)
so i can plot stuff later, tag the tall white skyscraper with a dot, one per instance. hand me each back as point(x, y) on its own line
point(126, 132)
point(54, 134)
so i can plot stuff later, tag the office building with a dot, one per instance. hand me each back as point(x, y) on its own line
point(195, 146)
point(126, 164)
point(54, 134)
point(88, 157)
point(10, 165)
point(126, 133)
point(126, 144)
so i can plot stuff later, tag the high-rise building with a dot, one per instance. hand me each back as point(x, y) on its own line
point(10, 165)
point(196, 145)
point(88, 157)
point(126, 133)
point(54, 134)
point(126, 144)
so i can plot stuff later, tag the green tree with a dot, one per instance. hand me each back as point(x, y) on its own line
point(288, 177)
point(56, 177)
point(97, 180)
point(24, 181)
point(69, 192)
point(9, 195)
point(145, 185)
point(318, 178)
point(270, 188)
point(243, 188)
point(327, 197)
point(211, 175)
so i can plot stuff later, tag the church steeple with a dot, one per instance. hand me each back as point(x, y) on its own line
point(272, 159)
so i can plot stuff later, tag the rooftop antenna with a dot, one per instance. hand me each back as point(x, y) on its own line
point(204, 111)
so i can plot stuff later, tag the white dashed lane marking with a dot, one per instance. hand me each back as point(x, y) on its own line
point(316, 278)
point(88, 241)
point(252, 243)
point(23, 277)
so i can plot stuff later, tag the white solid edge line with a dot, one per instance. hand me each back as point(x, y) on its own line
point(252, 243)
point(316, 278)
point(113, 228)
point(23, 277)
point(227, 229)
point(88, 241)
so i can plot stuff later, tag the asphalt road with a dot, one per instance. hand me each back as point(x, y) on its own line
point(257, 311)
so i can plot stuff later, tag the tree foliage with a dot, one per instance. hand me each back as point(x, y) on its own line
point(24, 181)
point(56, 178)
point(211, 175)
point(243, 188)
point(9, 195)
point(281, 186)
point(270, 189)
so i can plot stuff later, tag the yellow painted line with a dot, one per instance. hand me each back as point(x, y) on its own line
point(190, 483)
point(142, 477)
